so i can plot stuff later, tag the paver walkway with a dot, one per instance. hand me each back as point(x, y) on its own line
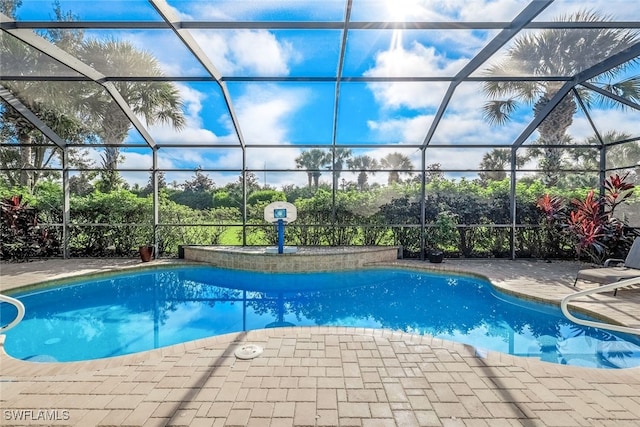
point(327, 376)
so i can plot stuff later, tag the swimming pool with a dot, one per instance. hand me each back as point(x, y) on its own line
point(131, 312)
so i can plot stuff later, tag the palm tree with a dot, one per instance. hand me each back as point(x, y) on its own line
point(624, 155)
point(157, 102)
point(8, 7)
point(341, 155)
point(26, 162)
point(396, 162)
point(556, 52)
point(495, 164)
point(362, 164)
point(313, 161)
point(73, 109)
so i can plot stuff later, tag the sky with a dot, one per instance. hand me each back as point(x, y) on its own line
point(294, 113)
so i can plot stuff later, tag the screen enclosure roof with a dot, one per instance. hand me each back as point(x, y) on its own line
point(362, 74)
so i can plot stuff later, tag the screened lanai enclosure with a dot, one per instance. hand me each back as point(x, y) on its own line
point(481, 128)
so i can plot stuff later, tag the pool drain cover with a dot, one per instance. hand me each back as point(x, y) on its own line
point(249, 351)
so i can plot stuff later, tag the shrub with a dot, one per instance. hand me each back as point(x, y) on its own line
point(590, 222)
point(21, 235)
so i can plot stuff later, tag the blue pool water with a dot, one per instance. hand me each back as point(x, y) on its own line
point(131, 312)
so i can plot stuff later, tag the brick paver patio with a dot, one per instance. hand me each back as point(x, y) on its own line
point(328, 376)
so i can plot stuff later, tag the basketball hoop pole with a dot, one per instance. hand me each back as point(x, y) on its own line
point(280, 213)
point(280, 236)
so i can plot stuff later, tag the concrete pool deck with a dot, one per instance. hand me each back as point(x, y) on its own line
point(327, 376)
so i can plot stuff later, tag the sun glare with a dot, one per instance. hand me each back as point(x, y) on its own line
point(401, 10)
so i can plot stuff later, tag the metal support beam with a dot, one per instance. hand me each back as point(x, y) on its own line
point(170, 17)
point(336, 104)
point(423, 201)
point(603, 168)
point(611, 95)
point(22, 109)
point(245, 216)
point(527, 15)
point(30, 38)
point(156, 200)
point(314, 25)
point(602, 161)
point(513, 202)
point(611, 62)
point(588, 116)
point(66, 204)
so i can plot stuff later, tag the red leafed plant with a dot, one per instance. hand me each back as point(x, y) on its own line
point(552, 206)
point(616, 190)
point(595, 230)
point(587, 228)
point(21, 238)
point(554, 212)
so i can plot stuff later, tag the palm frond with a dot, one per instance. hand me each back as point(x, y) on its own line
point(498, 112)
point(628, 89)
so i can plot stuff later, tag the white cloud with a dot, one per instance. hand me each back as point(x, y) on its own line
point(136, 160)
point(491, 10)
point(266, 111)
point(193, 132)
point(439, 10)
point(172, 55)
point(410, 130)
point(620, 10)
point(605, 121)
point(397, 95)
point(416, 60)
point(260, 52)
point(253, 52)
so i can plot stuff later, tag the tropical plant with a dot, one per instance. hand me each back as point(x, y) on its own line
point(28, 156)
point(596, 232)
point(471, 209)
point(21, 236)
point(148, 189)
point(80, 111)
point(396, 163)
point(625, 156)
point(313, 161)
point(209, 233)
point(264, 197)
point(554, 210)
point(28, 161)
point(557, 52)
point(364, 165)
point(155, 101)
point(496, 163)
point(9, 7)
point(341, 156)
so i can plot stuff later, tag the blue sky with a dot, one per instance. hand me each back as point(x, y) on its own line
point(290, 114)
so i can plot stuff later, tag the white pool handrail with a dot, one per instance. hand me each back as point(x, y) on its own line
point(19, 306)
point(610, 287)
